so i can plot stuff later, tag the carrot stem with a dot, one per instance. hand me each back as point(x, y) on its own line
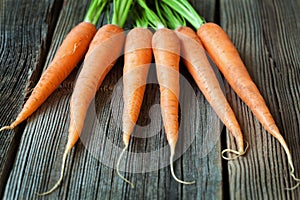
point(153, 20)
point(171, 18)
point(121, 9)
point(98, 13)
point(184, 8)
point(140, 18)
point(159, 13)
point(94, 11)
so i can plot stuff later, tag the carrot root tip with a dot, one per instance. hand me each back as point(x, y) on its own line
point(292, 167)
point(6, 128)
point(295, 179)
point(173, 174)
point(118, 165)
point(237, 153)
point(61, 175)
point(290, 161)
point(293, 188)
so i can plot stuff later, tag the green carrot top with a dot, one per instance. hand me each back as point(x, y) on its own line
point(169, 16)
point(121, 9)
point(185, 9)
point(94, 11)
point(153, 20)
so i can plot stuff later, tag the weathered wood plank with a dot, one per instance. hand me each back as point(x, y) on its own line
point(266, 34)
point(90, 169)
point(26, 27)
point(56, 111)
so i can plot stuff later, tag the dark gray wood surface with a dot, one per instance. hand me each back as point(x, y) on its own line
point(26, 29)
point(266, 34)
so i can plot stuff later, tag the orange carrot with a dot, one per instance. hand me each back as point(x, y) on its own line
point(104, 50)
point(199, 67)
point(137, 59)
point(166, 49)
point(66, 58)
point(102, 54)
point(225, 55)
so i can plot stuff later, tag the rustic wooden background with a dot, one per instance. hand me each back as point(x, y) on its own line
point(266, 33)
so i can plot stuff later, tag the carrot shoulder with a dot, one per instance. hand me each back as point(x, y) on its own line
point(70, 52)
point(225, 55)
point(199, 67)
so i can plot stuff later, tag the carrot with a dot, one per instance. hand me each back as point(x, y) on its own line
point(225, 55)
point(166, 49)
point(137, 59)
point(196, 61)
point(67, 56)
point(103, 52)
point(199, 67)
point(71, 51)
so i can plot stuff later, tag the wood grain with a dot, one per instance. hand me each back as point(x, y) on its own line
point(26, 28)
point(88, 173)
point(266, 36)
point(55, 109)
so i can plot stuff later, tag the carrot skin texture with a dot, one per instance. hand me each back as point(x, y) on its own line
point(166, 49)
point(226, 57)
point(68, 55)
point(137, 60)
point(196, 61)
point(104, 50)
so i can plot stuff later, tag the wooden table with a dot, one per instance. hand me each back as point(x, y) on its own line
point(265, 32)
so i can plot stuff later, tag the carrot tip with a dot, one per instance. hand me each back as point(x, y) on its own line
point(6, 128)
point(237, 153)
point(295, 179)
point(118, 170)
point(292, 188)
point(173, 174)
point(290, 161)
point(61, 175)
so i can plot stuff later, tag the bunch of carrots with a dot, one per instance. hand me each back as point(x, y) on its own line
point(100, 49)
